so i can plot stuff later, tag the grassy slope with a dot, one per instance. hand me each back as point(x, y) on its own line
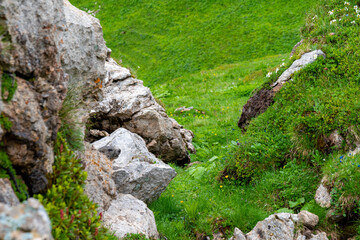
point(209, 55)
point(168, 39)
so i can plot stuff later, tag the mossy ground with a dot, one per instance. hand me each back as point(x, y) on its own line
point(211, 55)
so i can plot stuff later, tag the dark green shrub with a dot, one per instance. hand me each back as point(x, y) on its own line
point(7, 171)
point(72, 214)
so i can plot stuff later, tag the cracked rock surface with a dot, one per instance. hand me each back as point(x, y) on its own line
point(127, 103)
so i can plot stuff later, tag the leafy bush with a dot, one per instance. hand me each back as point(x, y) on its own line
point(72, 214)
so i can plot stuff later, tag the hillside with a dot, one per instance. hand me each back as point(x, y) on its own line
point(235, 138)
point(211, 56)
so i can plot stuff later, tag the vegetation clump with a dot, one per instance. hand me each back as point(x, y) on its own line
point(72, 214)
point(8, 86)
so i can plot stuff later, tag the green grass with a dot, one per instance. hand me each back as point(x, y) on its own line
point(211, 55)
point(163, 40)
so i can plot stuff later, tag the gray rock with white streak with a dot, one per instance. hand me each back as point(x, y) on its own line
point(28, 220)
point(126, 214)
point(7, 194)
point(305, 59)
point(136, 171)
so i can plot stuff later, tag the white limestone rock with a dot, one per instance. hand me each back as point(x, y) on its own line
point(126, 214)
point(305, 59)
point(28, 220)
point(136, 171)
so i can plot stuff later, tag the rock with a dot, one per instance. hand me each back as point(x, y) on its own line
point(282, 226)
point(193, 163)
point(310, 236)
point(83, 50)
point(263, 98)
point(100, 186)
point(127, 103)
point(7, 194)
point(335, 139)
point(184, 109)
point(277, 226)
point(305, 59)
point(309, 219)
point(127, 214)
point(238, 235)
point(29, 49)
point(28, 220)
point(136, 171)
point(115, 72)
point(322, 196)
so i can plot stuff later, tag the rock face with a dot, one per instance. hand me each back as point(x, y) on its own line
point(136, 171)
point(30, 57)
point(127, 103)
point(283, 226)
point(263, 98)
point(99, 184)
point(28, 220)
point(83, 50)
point(126, 214)
point(7, 194)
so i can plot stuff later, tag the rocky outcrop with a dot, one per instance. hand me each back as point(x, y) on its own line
point(82, 52)
point(284, 226)
point(128, 104)
point(263, 98)
point(136, 171)
point(30, 59)
point(126, 214)
point(122, 213)
point(28, 220)
point(7, 194)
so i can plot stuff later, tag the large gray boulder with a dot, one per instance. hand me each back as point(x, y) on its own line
point(126, 214)
point(7, 194)
point(28, 220)
point(127, 103)
point(136, 171)
point(30, 57)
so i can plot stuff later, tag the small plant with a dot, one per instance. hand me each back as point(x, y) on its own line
point(7, 171)
point(133, 236)
point(5, 122)
point(8, 86)
point(71, 127)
